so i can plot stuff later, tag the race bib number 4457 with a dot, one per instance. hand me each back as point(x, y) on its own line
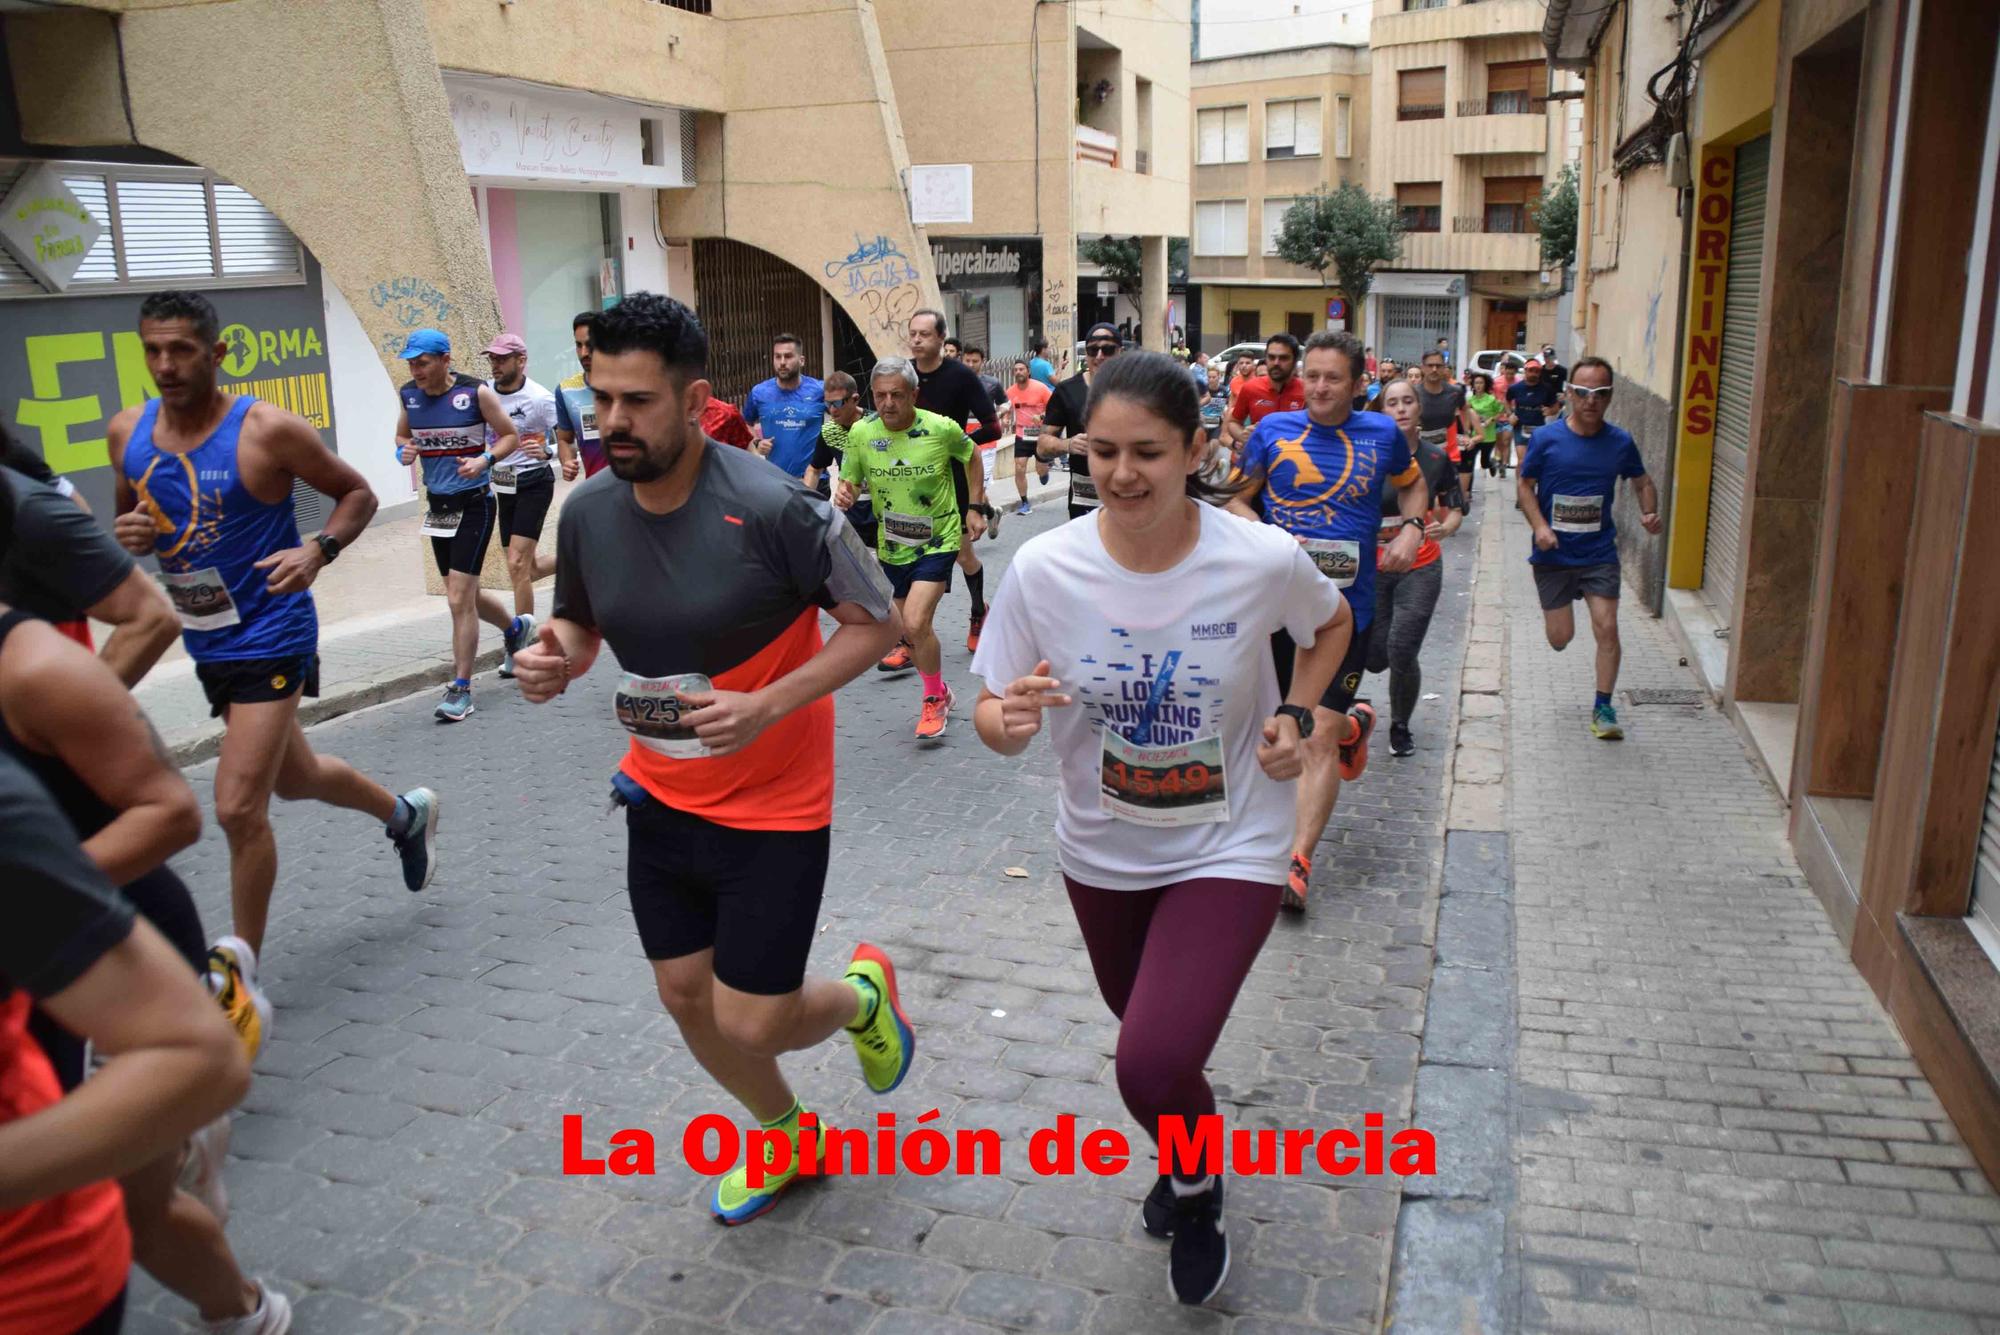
point(1163, 786)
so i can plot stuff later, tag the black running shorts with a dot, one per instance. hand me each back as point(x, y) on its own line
point(256, 681)
point(1340, 694)
point(753, 895)
point(525, 510)
point(465, 550)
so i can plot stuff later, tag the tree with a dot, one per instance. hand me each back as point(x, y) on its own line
point(1119, 258)
point(1554, 212)
point(1346, 230)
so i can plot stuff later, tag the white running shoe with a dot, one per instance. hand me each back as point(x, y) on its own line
point(272, 1317)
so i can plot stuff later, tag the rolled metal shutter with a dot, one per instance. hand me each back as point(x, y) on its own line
point(1985, 908)
point(1742, 310)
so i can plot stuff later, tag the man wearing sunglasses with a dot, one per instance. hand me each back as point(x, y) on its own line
point(843, 410)
point(1566, 489)
point(1062, 423)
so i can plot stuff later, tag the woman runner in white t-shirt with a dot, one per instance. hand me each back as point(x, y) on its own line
point(1148, 636)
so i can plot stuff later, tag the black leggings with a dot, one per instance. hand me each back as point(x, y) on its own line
point(1403, 606)
point(1487, 454)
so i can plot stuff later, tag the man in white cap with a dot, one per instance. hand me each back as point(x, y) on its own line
point(523, 483)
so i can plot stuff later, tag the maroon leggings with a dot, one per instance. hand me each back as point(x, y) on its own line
point(1169, 962)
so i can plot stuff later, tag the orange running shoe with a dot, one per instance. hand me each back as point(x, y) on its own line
point(930, 723)
point(972, 635)
point(1294, 896)
point(897, 660)
point(1354, 751)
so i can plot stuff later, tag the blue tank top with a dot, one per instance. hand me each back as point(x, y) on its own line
point(212, 532)
point(448, 428)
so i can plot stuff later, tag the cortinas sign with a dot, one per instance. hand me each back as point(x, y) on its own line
point(46, 227)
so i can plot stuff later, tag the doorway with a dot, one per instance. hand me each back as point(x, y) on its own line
point(1506, 325)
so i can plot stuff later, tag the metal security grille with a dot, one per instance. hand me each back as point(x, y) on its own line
point(165, 227)
point(744, 296)
point(1742, 309)
point(1411, 325)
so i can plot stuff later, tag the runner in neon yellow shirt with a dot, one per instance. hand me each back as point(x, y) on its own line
point(903, 456)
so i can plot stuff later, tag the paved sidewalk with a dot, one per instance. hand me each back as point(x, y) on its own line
point(396, 1166)
point(1716, 1127)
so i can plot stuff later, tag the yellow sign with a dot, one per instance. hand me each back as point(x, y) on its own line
point(1708, 281)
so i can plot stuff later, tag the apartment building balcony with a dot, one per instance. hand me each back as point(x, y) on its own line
point(1482, 128)
point(1470, 249)
point(1094, 145)
point(1399, 22)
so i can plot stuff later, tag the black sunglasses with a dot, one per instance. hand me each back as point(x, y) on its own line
point(838, 403)
point(1106, 348)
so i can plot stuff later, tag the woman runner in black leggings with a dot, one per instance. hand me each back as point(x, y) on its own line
point(1144, 630)
point(1404, 602)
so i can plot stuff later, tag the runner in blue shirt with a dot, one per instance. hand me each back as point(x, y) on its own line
point(1039, 366)
point(1321, 475)
point(1566, 489)
point(786, 410)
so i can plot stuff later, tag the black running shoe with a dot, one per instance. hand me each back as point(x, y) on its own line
point(1157, 1214)
point(1400, 741)
point(1199, 1261)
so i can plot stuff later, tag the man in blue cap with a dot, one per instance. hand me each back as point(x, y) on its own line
point(446, 419)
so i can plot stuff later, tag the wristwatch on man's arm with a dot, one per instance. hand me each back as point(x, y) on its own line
point(329, 546)
point(1299, 715)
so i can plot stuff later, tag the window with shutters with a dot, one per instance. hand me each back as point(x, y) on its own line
point(1420, 94)
point(1274, 221)
point(1509, 202)
point(1516, 87)
point(1292, 129)
point(1421, 205)
point(1343, 127)
point(1222, 134)
point(1221, 227)
point(164, 227)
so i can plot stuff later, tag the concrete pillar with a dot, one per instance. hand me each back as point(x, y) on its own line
point(1153, 293)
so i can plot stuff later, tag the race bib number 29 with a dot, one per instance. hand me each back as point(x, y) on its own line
point(200, 599)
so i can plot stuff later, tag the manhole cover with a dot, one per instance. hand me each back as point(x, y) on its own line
point(1645, 695)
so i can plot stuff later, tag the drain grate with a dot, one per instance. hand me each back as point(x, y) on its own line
point(1652, 695)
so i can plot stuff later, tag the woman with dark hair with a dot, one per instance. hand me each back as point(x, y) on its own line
point(1405, 600)
point(1148, 633)
point(68, 720)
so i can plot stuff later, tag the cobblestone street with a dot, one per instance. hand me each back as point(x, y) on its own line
point(397, 1164)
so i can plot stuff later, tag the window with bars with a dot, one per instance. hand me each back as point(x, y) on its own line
point(1421, 205)
point(1420, 94)
point(1292, 129)
point(1516, 88)
point(1510, 200)
point(164, 226)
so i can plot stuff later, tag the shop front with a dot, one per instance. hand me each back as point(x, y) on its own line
point(1409, 312)
point(992, 290)
point(565, 185)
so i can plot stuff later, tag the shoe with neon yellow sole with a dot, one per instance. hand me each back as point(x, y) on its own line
point(885, 1043)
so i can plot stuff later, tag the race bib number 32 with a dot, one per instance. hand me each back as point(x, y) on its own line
point(651, 709)
point(1163, 786)
point(1339, 559)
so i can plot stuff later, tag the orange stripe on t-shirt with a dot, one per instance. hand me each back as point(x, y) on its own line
point(781, 781)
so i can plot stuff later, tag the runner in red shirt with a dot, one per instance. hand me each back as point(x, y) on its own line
point(1278, 390)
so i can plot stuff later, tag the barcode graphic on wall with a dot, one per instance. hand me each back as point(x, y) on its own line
point(305, 395)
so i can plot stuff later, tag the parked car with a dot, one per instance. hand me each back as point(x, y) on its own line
point(1489, 360)
point(1254, 351)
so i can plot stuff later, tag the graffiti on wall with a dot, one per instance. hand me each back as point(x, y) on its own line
point(409, 302)
point(1059, 314)
point(880, 284)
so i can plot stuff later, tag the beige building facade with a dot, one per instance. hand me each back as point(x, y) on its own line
point(1463, 136)
point(479, 166)
point(1269, 128)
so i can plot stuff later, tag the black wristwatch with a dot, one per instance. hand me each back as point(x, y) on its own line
point(329, 546)
point(1299, 715)
point(1412, 519)
point(982, 509)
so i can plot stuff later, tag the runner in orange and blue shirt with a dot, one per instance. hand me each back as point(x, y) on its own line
point(1321, 475)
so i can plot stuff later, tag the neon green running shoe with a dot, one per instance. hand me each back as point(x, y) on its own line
point(886, 1045)
point(1604, 724)
point(737, 1202)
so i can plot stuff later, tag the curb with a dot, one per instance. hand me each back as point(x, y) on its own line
point(206, 742)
